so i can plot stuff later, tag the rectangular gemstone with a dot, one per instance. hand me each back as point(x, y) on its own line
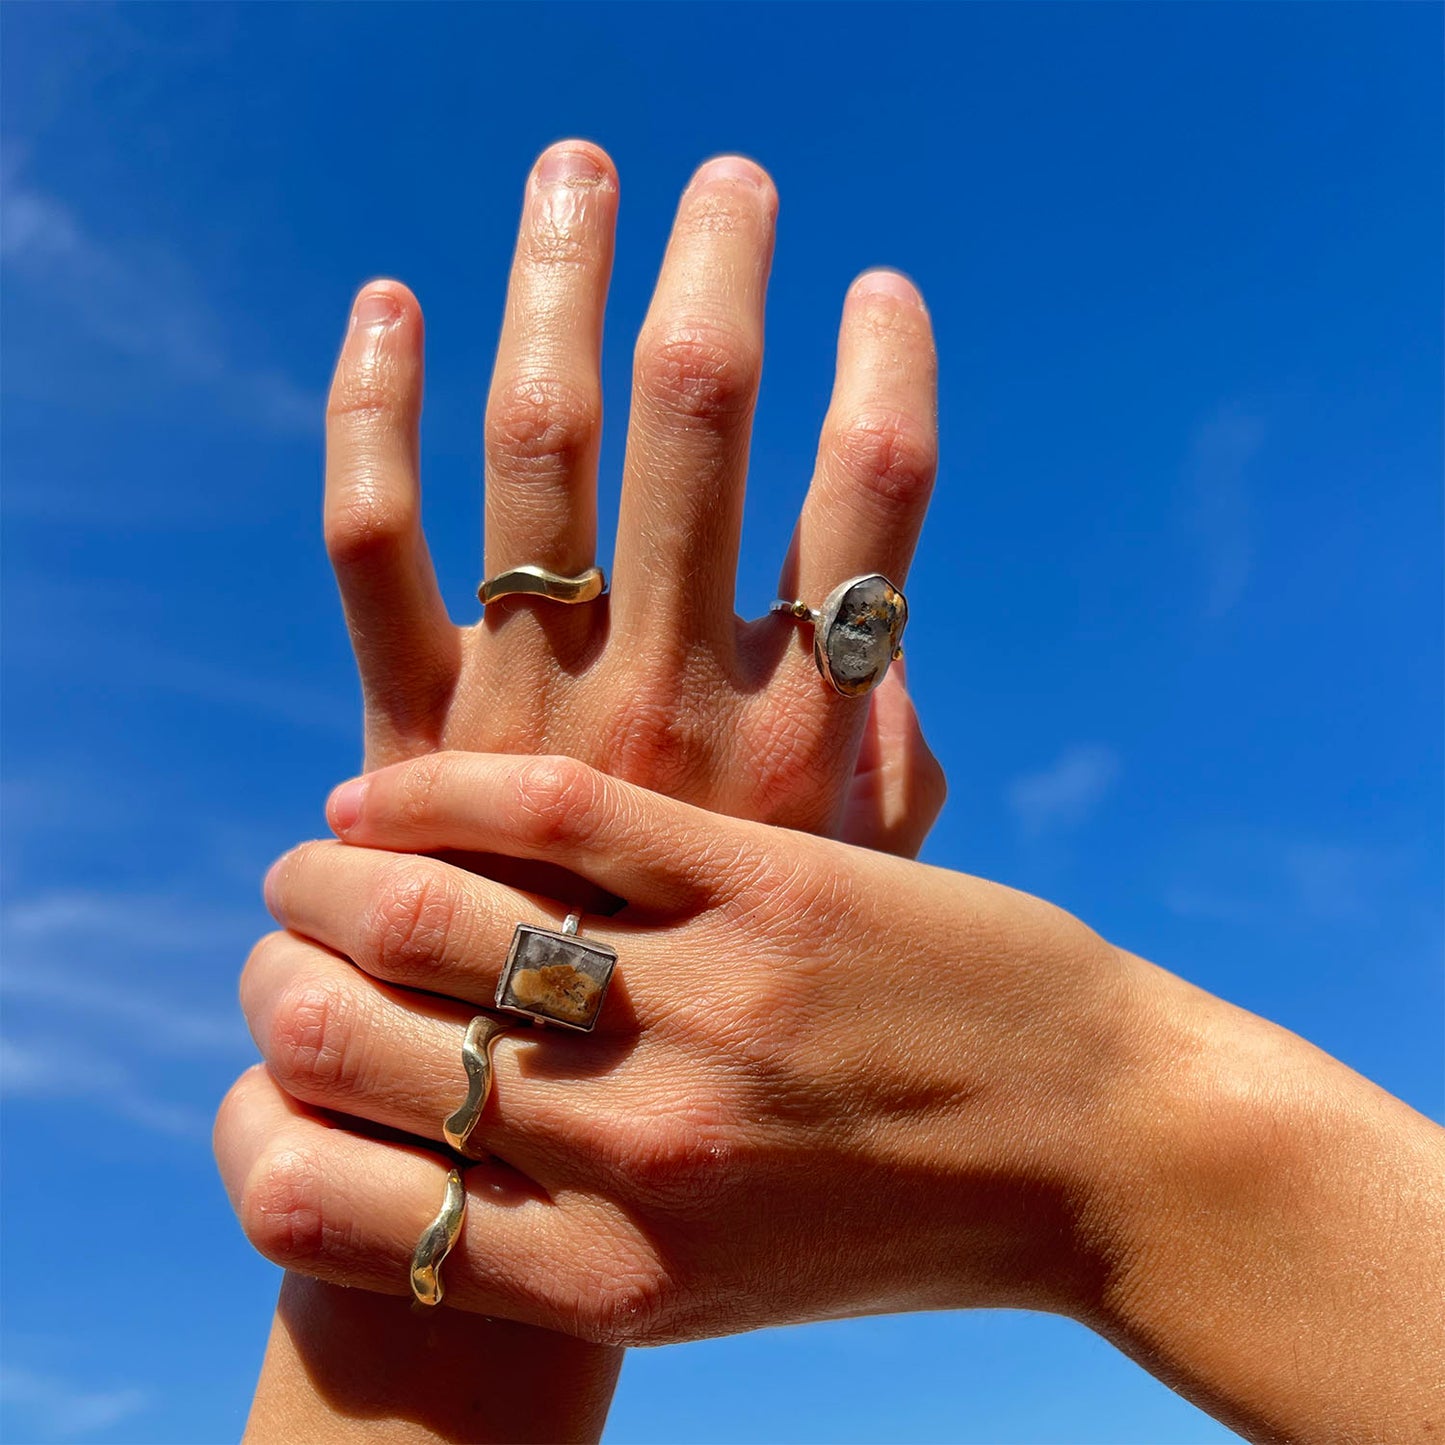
point(555, 976)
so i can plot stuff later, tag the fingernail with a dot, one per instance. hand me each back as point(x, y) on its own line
point(568, 168)
point(343, 807)
point(375, 309)
point(888, 283)
point(730, 168)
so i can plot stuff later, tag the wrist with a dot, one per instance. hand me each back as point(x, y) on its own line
point(1262, 1223)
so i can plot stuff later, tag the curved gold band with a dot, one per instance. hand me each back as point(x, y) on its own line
point(482, 1033)
point(539, 582)
point(436, 1243)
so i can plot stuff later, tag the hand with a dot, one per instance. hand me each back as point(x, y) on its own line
point(660, 682)
point(825, 1082)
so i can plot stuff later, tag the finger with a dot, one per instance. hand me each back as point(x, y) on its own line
point(898, 786)
point(653, 852)
point(544, 411)
point(878, 453)
point(419, 922)
point(695, 382)
point(338, 1206)
point(336, 1039)
point(406, 649)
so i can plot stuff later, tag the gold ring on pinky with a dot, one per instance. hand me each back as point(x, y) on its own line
point(436, 1243)
point(482, 1033)
point(857, 632)
point(532, 581)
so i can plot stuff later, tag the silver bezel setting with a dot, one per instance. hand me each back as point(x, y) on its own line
point(826, 618)
point(535, 949)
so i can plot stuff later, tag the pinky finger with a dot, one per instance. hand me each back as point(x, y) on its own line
point(898, 787)
point(342, 1207)
point(406, 649)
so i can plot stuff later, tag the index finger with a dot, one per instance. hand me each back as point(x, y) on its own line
point(656, 853)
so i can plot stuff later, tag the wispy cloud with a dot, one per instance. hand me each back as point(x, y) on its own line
point(1251, 877)
point(64, 1409)
point(1064, 795)
point(1220, 454)
point(46, 934)
point(121, 970)
point(54, 1070)
point(141, 303)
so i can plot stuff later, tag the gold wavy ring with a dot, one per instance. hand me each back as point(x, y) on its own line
point(533, 581)
point(482, 1033)
point(436, 1243)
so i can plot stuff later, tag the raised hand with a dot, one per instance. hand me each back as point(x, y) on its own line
point(659, 682)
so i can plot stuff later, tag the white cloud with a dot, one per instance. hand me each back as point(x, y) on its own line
point(141, 303)
point(102, 1004)
point(52, 1070)
point(1064, 795)
point(46, 933)
point(63, 1409)
point(1251, 877)
point(1219, 456)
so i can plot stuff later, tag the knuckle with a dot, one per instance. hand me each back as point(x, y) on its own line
point(660, 742)
point(629, 1303)
point(363, 392)
point(556, 798)
point(411, 919)
point(699, 371)
point(231, 1111)
point(893, 457)
point(410, 798)
point(313, 1046)
point(680, 1159)
point(542, 424)
point(794, 767)
point(555, 239)
point(282, 1207)
point(368, 523)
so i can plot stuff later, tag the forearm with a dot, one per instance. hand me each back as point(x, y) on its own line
point(346, 1365)
point(1274, 1246)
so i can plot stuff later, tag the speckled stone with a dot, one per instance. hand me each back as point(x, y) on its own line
point(555, 976)
point(859, 631)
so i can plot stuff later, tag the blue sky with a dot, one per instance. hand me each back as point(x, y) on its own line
point(1176, 619)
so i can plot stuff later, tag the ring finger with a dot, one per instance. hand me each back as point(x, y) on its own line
point(423, 923)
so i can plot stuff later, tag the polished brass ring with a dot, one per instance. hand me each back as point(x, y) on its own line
point(533, 581)
point(857, 632)
point(436, 1243)
point(482, 1033)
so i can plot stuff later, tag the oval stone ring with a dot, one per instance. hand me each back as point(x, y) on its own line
point(857, 631)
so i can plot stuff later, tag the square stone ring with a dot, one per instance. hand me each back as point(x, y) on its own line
point(857, 632)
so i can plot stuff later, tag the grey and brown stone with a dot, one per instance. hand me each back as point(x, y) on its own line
point(859, 632)
point(555, 976)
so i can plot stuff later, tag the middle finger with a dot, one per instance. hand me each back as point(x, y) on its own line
point(544, 411)
point(425, 924)
point(695, 382)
